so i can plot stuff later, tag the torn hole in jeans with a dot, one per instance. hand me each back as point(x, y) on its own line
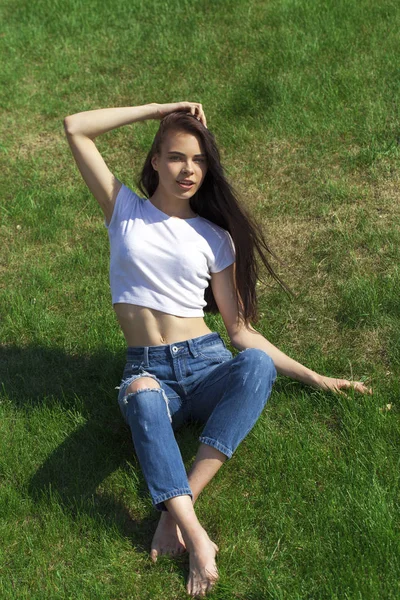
point(160, 389)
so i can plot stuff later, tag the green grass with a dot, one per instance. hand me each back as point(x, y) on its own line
point(303, 99)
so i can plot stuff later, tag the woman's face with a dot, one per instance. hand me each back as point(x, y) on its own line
point(181, 164)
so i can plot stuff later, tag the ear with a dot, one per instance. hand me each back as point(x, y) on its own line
point(154, 162)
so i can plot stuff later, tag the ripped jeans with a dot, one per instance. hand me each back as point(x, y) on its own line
point(200, 381)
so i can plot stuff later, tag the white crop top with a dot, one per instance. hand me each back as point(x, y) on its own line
point(163, 262)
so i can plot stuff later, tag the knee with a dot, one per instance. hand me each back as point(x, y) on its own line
point(142, 383)
point(259, 361)
point(139, 405)
point(134, 400)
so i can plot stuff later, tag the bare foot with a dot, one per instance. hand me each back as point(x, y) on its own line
point(203, 573)
point(167, 538)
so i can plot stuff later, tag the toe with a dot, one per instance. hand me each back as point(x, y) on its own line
point(154, 555)
point(195, 588)
point(189, 587)
point(211, 584)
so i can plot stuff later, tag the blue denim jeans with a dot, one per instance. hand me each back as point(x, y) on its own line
point(200, 381)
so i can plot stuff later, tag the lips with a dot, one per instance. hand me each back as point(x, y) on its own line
point(186, 183)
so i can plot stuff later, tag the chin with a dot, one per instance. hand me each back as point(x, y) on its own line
point(188, 193)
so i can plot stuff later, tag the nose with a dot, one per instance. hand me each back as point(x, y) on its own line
point(187, 168)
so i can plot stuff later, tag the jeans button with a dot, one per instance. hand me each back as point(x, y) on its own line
point(175, 349)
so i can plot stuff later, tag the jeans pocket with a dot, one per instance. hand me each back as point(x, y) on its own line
point(131, 368)
point(217, 353)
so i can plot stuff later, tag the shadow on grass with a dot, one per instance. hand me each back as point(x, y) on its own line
point(100, 444)
point(35, 377)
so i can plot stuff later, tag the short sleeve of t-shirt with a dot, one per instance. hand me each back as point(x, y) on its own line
point(226, 253)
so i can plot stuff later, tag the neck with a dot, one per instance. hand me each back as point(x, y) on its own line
point(172, 206)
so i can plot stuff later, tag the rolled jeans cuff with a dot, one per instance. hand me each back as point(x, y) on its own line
point(159, 500)
point(215, 444)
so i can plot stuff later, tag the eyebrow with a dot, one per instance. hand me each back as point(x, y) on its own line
point(182, 154)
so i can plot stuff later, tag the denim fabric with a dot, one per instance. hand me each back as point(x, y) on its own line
point(200, 381)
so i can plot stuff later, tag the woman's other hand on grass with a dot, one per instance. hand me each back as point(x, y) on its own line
point(339, 386)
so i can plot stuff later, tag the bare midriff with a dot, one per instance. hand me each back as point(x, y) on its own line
point(144, 326)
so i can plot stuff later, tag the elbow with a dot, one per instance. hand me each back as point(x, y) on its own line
point(243, 338)
point(239, 344)
point(69, 125)
point(234, 344)
point(235, 341)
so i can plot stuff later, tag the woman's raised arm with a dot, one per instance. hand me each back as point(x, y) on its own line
point(92, 123)
point(83, 127)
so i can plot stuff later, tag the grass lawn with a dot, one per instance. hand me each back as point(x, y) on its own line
point(303, 97)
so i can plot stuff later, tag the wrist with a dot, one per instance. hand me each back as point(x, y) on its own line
point(314, 379)
point(306, 376)
point(153, 110)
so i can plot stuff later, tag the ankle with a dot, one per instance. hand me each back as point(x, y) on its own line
point(195, 539)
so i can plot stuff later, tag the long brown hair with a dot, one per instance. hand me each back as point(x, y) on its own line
point(217, 201)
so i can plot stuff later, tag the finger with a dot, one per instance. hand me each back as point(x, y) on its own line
point(339, 391)
point(334, 385)
point(363, 389)
point(339, 386)
point(358, 386)
point(202, 118)
point(344, 384)
point(197, 109)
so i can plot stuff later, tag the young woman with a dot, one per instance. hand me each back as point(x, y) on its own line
point(187, 248)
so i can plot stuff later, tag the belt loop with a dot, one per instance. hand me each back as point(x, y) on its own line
point(192, 348)
point(146, 356)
